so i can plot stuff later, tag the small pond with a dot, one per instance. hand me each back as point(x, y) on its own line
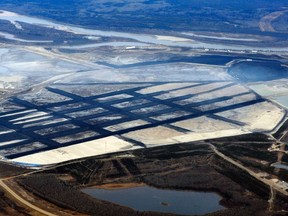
point(147, 198)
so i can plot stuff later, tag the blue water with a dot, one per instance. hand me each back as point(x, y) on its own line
point(152, 199)
point(280, 165)
point(258, 71)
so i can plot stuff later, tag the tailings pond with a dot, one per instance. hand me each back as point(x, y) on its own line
point(253, 71)
point(147, 198)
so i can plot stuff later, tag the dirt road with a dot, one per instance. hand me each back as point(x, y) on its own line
point(268, 182)
point(265, 23)
point(22, 201)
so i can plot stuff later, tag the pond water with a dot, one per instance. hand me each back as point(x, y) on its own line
point(254, 71)
point(147, 198)
point(280, 165)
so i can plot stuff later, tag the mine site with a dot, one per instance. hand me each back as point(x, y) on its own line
point(142, 121)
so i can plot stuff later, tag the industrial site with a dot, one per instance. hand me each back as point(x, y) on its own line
point(90, 115)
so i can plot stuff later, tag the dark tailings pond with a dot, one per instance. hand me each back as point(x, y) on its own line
point(280, 165)
point(147, 198)
point(253, 71)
